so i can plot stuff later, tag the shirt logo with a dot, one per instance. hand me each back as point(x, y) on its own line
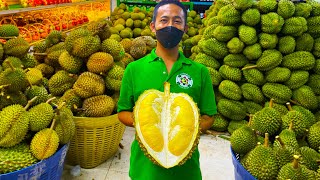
point(184, 80)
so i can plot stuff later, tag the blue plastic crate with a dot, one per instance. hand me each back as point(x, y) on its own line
point(240, 173)
point(47, 169)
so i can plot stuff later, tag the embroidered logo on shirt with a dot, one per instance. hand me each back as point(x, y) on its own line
point(184, 80)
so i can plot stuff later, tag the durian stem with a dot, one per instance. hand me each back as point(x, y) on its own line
point(8, 37)
point(10, 65)
point(59, 107)
point(289, 106)
point(71, 75)
point(266, 140)
point(103, 74)
point(294, 102)
point(4, 86)
point(250, 119)
point(295, 163)
point(30, 102)
point(49, 100)
point(318, 162)
point(53, 123)
point(271, 103)
point(30, 84)
point(40, 54)
point(306, 132)
point(249, 67)
point(214, 133)
point(280, 141)
point(121, 146)
point(291, 125)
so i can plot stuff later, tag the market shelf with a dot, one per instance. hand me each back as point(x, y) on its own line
point(203, 3)
point(190, 4)
point(19, 9)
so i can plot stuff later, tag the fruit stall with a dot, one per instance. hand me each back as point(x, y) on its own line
point(62, 64)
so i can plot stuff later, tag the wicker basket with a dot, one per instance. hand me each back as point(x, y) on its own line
point(95, 141)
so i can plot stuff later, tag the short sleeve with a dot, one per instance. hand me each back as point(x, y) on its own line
point(126, 101)
point(207, 103)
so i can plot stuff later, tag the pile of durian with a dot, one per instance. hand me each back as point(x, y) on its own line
point(128, 24)
point(43, 86)
point(33, 125)
point(264, 61)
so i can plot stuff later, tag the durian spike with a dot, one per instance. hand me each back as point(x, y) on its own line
point(30, 102)
point(266, 140)
point(280, 141)
point(40, 54)
point(271, 103)
point(51, 99)
point(289, 106)
point(295, 162)
point(291, 125)
point(249, 67)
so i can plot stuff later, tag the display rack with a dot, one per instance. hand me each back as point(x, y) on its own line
point(37, 8)
point(192, 5)
point(189, 4)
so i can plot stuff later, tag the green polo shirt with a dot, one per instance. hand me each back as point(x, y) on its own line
point(186, 76)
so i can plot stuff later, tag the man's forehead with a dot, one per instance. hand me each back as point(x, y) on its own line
point(164, 9)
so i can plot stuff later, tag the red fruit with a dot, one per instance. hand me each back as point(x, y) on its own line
point(64, 26)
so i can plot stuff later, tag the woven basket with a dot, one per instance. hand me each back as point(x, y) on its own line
point(95, 141)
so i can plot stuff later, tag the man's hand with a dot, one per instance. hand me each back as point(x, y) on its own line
point(206, 122)
point(126, 117)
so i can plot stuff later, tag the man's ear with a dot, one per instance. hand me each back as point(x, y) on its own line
point(153, 27)
point(186, 27)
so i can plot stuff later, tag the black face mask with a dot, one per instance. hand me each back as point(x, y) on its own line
point(169, 37)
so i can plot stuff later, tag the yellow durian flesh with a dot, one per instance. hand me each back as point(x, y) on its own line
point(167, 126)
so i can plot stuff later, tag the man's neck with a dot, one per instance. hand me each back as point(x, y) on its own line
point(167, 54)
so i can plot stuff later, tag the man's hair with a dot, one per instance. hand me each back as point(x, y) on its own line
point(164, 2)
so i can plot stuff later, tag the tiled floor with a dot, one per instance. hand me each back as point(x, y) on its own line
point(215, 161)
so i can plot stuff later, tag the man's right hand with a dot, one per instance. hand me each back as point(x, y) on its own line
point(127, 118)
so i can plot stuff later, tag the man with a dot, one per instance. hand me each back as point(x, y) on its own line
point(166, 64)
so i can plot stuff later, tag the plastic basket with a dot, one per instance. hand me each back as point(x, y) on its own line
point(96, 140)
point(240, 173)
point(49, 169)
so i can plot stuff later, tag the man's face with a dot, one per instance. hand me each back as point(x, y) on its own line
point(169, 15)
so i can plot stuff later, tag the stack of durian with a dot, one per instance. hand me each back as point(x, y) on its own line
point(127, 25)
point(32, 123)
point(258, 51)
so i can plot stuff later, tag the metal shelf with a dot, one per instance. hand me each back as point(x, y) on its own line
point(37, 8)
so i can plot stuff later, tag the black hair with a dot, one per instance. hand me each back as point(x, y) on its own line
point(164, 2)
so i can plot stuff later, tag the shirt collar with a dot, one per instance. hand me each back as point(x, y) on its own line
point(153, 57)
